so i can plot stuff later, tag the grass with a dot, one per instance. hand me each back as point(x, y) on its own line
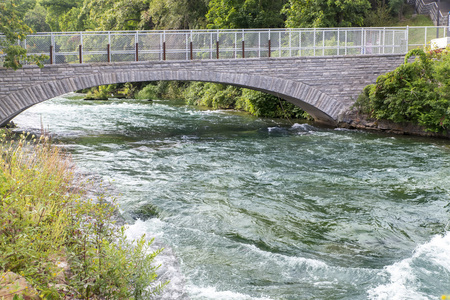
point(46, 223)
point(411, 19)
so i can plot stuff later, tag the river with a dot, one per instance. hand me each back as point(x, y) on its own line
point(251, 208)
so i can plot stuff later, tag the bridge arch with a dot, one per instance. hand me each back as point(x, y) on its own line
point(325, 86)
point(319, 105)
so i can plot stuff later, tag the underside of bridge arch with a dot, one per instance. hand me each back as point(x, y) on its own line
point(318, 104)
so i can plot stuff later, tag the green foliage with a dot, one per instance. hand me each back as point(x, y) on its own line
point(326, 13)
point(175, 14)
point(35, 19)
point(396, 7)
point(103, 263)
point(264, 105)
point(14, 29)
point(245, 14)
point(161, 90)
point(149, 92)
point(259, 104)
point(102, 92)
point(58, 10)
point(213, 95)
point(45, 222)
point(193, 93)
point(379, 16)
point(417, 92)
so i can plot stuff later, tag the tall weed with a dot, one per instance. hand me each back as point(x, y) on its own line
point(46, 224)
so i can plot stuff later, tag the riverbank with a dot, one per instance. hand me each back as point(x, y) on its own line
point(56, 241)
point(242, 199)
point(355, 120)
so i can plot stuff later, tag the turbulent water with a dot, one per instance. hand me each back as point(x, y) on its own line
point(252, 208)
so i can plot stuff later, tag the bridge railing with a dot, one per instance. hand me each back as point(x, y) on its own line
point(117, 46)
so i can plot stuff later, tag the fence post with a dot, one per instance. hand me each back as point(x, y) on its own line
point(363, 43)
point(136, 40)
point(438, 14)
point(164, 50)
point(314, 41)
point(80, 48)
point(259, 44)
point(290, 42)
point(323, 42)
point(108, 47)
point(217, 49)
point(164, 45)
point(192, 47)
point(338, 42)
point(243, 49)
point(53, 49)
point(137, 52)
point(345, 43)
point(269, 47)
point(279, 44)
point(217, 44)
point(407, 38)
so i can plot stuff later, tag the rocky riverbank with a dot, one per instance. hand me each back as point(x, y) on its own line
point(355, 120)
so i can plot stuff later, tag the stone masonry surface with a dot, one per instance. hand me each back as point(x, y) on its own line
point(323, 86)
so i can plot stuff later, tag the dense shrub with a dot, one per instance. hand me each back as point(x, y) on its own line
point(229, 97)
point(416, 92)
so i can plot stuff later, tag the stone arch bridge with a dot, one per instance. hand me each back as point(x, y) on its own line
point(324, 86)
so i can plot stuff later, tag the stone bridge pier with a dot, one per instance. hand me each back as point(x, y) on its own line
point(325, 87)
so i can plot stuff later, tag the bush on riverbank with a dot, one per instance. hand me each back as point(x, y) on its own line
point(416, 92)
point(259, 104)
point(213, 95)
point(64, 245)
point(161, 90)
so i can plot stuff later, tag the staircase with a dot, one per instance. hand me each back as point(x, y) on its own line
point(430, 7)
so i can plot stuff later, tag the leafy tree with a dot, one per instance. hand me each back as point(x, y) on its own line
point(396, 7)
point(175, 14)
point(112, 14)
point(57, 11)
point(35, 19)
point(326, 13)
point(14, 29)
point(245, 14)
point(379, 16)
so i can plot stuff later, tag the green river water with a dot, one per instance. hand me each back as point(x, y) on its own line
point(252, 208)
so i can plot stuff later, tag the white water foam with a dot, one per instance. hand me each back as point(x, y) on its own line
point(290, 260)
point(429, 263)
point(213, 294)
point(303, 127)
point(170, 268)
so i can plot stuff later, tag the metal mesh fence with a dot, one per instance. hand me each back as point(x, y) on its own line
point(119, 46)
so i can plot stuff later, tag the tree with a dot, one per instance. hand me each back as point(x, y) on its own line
point(326, 13)
point(245, 14)
point(57, 11)
point(14, 29)
point(176, 14)
point(35, 19)
point(396, 7)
